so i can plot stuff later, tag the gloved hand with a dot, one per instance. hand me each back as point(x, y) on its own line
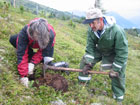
point(48, 59)
point(30, 68)
point(24, 81)
point(113, 74)
point(86, 68)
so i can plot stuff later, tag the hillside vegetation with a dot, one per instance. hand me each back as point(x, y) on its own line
point(69, 47)
point(36, 8)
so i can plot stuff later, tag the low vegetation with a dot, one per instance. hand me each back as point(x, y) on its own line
point(69, 47)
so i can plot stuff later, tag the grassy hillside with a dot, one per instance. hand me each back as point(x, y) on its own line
point(69, 47)
point(31, 6)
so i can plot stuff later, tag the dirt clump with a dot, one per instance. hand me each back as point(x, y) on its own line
point(54, 80)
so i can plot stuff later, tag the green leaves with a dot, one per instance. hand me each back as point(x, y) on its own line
point(69, 47)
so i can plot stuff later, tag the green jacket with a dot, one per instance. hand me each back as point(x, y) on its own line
point(111, 47)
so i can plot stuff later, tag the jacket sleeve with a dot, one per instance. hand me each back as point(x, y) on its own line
point(37, 57)
point(121, 50)
point(22, 52)
point(90, 48)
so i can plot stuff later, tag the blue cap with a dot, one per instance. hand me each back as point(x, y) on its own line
point(88, 21)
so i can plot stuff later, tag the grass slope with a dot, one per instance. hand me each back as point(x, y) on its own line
point(69, 47)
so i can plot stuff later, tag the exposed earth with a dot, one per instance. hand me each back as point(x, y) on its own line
point(58, 82)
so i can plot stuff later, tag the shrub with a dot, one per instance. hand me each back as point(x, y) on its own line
point(133, 32)
point(5, 7)
point(71, 23)
point(43, 14)
point(1, 5)
point(52, 15)
point(21, 9)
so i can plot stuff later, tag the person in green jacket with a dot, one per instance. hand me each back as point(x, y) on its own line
point(106, 42)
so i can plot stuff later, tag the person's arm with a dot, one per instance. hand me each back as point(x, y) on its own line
point(121, 50)
point(22, 52)
point(90, 48)
point(37, 57)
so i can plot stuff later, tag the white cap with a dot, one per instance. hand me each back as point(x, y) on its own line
point(92, 14)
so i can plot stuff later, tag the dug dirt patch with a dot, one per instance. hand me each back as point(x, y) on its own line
point(58, 82)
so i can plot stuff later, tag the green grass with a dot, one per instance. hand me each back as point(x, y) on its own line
point(69, 47)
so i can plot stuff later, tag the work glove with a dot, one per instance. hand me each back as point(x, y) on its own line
point(24, 81)
point(47, 60)
point(86, 68)
point(30, 68)
point(113, 74)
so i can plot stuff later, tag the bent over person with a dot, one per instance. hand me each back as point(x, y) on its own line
point(38, 34)
point(106, 42)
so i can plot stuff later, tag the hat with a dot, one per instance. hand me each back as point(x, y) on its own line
point(92, 14)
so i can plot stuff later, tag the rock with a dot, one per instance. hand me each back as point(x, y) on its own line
point(1, 58)
point(1, 18)
point(95, 104)
point(58, 102)
point(22, 99)
point(22, 20)
point(2, 50)
point(119, 103)
point(73, 101)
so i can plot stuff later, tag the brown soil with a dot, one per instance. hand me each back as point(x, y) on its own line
point(54, 80)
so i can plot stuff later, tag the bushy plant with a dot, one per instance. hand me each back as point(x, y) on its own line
point(72, 24)
point(43, 14)
point(63, 17)
point(133, 31)
point(52, 15)
point(5, 7)
point(21, 9)
point(79, 20)
point(1, 5)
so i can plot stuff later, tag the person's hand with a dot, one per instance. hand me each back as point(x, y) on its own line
point(30, 68)
point(86, 68)
point(24, 81)
point(47, 60)
point(113, 74)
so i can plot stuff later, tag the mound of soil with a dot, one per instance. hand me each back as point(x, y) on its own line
point(54, 80)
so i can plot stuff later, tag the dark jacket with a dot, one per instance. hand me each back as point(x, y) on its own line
point(24, 42)
point(111, 47)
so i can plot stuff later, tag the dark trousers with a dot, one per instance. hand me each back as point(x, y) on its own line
point(13, 39)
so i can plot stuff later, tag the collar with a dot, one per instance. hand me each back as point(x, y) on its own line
point(102, 32)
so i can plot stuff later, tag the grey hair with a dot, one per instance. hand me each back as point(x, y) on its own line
point(41, 28)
